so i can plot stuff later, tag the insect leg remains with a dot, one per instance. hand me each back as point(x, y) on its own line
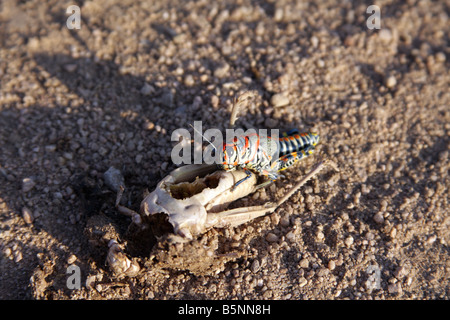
point(238, 216)
point(135, 217)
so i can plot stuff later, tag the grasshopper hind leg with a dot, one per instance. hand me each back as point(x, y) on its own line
point(289, 159)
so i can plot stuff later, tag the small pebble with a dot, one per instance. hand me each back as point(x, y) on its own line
point(235, 244)
point(271, 237)
point(27, 184)
point(148, 125)
point(304, 263)
point(50, 148)
point(68, 155)
point(400, 272)
point(385, 35)
point(320, 236)
point(333, 180)
point(279, 100)
point(114, 179)
point(147, 89)
point(260, 29)
point(18, 256)
point(279, 13)
point(391, 82)
point(408, 282)
point(27, 215)
point(393, 233)
point(323, 272)
point(440, 57)
point(71, 67)
point(270, 123)
point(215, 101)
point(275, 218)
point(395, 288)
point(189, 80)
point(314, 41)
point(284, 221)
point(356, 198)
point(320, 63)
point(378, 218)
point(302, 282)
point(349, 241)
point(247, 80)
point(179, 71)
point(222, 71)
point(255, 266)
point(166, 98)
point(431, 239)
point(72, 259)
point(290, 236)
point(365, 189)
point(331, 265)
point(7, 252)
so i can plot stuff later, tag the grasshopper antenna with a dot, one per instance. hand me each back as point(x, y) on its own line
point(204, 137)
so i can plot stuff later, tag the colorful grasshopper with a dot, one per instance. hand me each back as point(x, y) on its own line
point(258, 154)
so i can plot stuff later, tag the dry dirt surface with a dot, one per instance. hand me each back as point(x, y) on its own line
point(75, 102)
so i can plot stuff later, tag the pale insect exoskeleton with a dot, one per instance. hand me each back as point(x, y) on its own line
point(194, 198)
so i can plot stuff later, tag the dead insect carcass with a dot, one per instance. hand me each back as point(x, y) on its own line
point(193, 199)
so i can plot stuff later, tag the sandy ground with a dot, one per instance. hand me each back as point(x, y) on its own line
point(75, 102)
